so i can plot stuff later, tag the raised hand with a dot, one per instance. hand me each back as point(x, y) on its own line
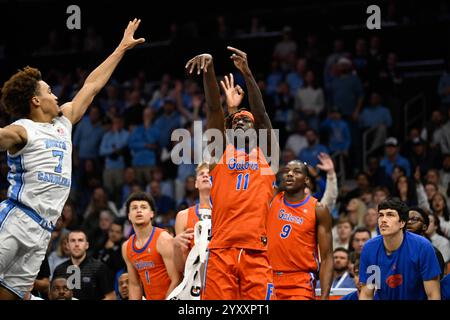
point(240, 59)
point(201, 62)
point(326, 163)
point(233, 94)
point(128, 41)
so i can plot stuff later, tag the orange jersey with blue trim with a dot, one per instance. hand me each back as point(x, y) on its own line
point(292, 235)
point(242, 186)
point(150, 266)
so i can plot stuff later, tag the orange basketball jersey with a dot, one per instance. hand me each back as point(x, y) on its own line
point(242, 186)
point(150, 266)
point(291, 229)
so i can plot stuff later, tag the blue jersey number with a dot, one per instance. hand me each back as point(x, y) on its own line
point(285, 231)
point(147, 277)
point(60, 155)
point(239, 181)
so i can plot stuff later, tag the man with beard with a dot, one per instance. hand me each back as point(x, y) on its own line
point(418, 222)
point(298, 226)
point(91, 279)
point(59, 289)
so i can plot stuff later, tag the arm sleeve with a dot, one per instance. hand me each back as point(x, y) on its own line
point(429, 265)
point(422, 198)
point(363, 264)
point(331, 192)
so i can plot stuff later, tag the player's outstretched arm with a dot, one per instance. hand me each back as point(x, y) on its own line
point(134, 284)
point(97, 79)
point(214, 115)
point(324, 237)
point(258, 109)
point(12, 138)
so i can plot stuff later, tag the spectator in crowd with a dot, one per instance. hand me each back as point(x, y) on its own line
point(418, 223)
point(168, 121)
point(355, 211)
point(110, 253)
point(311, 152)
point(113, 148)
point(347, 92)
point(341, 276)
point(59, 290)
point(296, 78)
point(123, 286)
point(296, 141)
point(371, 221)
point(310, 101)
point(285, 48)
point(359, 237)
point(60, 254)
point(132, 114)
point(165, 206)
point(96, 281)
point(143, 144)
point(440, 209)
point(86, 140)
point(343, 232)
point(443, 89)
point(337, 132)
point(437, 237)
point(375, 114)
point(393, 158)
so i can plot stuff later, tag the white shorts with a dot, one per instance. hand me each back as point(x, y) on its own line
point(23, 244)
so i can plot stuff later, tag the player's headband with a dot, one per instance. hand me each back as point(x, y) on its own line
point(244, 113)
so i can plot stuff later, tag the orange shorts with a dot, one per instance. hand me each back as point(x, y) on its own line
point(294, 285)
point(238, 274)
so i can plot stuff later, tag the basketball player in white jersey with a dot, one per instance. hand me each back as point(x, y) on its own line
point(39, 158)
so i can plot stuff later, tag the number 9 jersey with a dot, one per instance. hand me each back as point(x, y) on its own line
point(40, 173)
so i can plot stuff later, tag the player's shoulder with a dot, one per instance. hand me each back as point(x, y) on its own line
point(417, 240)
point(374, 242)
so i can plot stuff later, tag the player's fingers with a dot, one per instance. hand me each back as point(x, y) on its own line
point(237, 51)
point(227, 82)
point(223, 85)
point(239, 89)
point(231, 80)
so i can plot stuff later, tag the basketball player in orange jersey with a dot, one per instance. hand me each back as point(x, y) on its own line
point(242, 186)
point(186, 219)
point(298, 225)
point(148, 253)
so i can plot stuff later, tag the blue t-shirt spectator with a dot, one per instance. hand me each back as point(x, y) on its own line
point(346, 90)
point(114, 141)
point(87, 138)
point(139, 138)
point(403, 272)
point(339, 138)
point(310, 154)
point(398, 161)
point(373, 116)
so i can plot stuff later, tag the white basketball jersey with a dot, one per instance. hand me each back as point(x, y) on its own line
point(40, 174)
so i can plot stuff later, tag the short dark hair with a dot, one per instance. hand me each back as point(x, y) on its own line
point(18, 91)
point(397, 205)
point(423, 214)
point(343, 250)
point(140, 196)
point(79, 231)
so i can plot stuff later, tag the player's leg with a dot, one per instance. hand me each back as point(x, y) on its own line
point(255, 276)
point(293, 286)
point(221, 277)
point(27, 242)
